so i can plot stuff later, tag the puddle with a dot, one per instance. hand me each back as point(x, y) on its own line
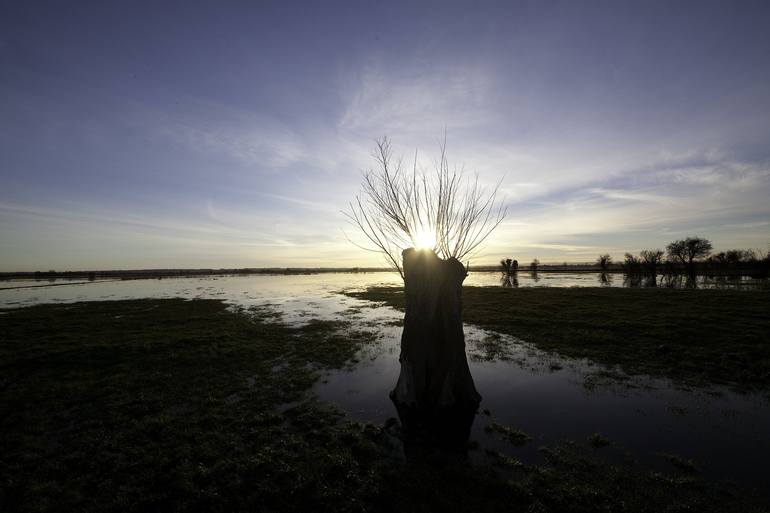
point(553, 399)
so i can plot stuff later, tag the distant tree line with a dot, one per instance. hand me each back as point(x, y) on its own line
point(688, 256)
point(692, 255)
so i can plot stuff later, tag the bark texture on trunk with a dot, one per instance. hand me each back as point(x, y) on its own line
point(435, 381)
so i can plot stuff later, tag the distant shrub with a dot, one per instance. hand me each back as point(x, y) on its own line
point(604, 261)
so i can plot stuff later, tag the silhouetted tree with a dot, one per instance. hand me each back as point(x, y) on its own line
point(509, 268)
point(651, 259)
point(733, 259)
point(686, 251)
point(718, 260)
point(396, 209)
point(632, 264)
point(603, 261)
point(762, 263)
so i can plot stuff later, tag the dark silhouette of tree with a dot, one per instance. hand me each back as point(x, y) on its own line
point(509, 268)
point(604, 261)
point(398, 207)
point(733, 259)
point(718, 260)
point(397, 211)
point(651, 259)
point(632, 264)
point(687, 251)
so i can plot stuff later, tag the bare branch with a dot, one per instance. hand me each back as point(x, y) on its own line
point(397, 206)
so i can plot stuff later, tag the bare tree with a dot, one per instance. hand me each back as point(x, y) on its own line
point(399, 207)
point(425, 224)
point(631, 264)
point(604, 261)
point(506, 266)
point(651, 259)
point(509, 267)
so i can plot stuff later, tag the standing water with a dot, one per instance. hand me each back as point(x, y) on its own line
point(548, 397)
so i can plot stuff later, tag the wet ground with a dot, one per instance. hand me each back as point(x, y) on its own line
point(726, 434)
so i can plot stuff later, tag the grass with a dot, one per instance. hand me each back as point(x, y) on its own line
point(516, 437)
point(694, 336)
point(172, 405)
point(159, 405)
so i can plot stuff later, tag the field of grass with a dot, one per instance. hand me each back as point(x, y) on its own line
point(693, 336)
point(172, 405)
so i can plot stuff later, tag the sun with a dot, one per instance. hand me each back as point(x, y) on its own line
point(425, 239)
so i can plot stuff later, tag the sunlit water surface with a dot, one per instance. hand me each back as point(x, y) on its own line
point(550, 398)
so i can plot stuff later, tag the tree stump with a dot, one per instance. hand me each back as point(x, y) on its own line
point(435, 389)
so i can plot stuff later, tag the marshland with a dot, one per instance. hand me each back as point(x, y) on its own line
point(240, 391)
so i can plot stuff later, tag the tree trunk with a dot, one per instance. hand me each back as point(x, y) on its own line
point(435, 387)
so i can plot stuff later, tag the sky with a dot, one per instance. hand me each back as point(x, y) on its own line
point(233, 134)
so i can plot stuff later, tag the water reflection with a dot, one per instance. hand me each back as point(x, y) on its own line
point(446, 428)
point(640, 280)
point(509, 280)
point(689, 281)
point(25, 292)
point(552, 398)
point(606, 279)
point(679, 281)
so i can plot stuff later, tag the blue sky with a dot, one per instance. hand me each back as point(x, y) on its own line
point(230, 134)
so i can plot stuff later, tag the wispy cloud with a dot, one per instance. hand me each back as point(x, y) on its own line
point(408, 99)
point(252, 141)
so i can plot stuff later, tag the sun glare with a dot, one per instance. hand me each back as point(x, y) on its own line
point(425, 239)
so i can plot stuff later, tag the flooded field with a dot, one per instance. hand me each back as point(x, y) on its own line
point(485, 278)
point(725, 434)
